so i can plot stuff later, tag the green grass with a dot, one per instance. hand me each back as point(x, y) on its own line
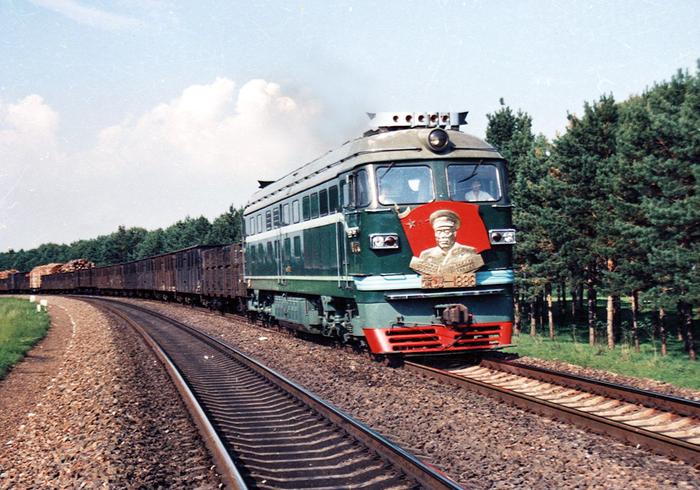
point(675, 368)
point(21, 326)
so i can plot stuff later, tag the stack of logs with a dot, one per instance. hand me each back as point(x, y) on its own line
point(44, 270)
point(76, 265)
point(7, 273)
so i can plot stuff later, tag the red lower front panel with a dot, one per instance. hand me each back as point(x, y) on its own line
point(438, 338)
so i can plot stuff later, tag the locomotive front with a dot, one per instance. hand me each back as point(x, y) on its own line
point(418, 254)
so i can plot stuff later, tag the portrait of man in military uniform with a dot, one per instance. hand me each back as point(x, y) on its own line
point(448, 256)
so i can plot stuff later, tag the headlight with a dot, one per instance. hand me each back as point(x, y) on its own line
point(383, 241)
point(438, 139)
point(502, 237)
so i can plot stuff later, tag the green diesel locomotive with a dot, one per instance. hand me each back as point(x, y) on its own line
point(400, 239)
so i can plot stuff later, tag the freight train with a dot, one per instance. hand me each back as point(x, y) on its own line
point(400, 240)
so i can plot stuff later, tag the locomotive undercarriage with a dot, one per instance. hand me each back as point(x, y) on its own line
point(319, 315)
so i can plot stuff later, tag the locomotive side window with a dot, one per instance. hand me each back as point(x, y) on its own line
point(306, 208)
point(473, 182)
point(333, 198)
point(295, 210)
point(287, 248)
point(314, 205)
point(323, 202)
point(362, 196)
point(405, 185)
point(285, 214)
point(344, 194)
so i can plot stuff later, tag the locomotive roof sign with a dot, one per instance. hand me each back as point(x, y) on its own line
point(397, 120)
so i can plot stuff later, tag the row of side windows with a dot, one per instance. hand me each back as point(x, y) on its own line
point(292, 249)
point(321, 203)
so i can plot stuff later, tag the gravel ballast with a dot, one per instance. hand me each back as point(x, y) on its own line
point(478, 441)
point(101, 412)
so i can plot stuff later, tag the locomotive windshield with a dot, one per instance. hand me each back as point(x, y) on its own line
point(473, 182)
point(405, 184)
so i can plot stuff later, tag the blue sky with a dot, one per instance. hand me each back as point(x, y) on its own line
point(140, 113)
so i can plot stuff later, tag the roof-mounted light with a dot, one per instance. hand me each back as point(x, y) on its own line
point(438, 139)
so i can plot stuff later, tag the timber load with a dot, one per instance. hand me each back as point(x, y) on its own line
point(76, 265)
point(37, 272)
point(6, 274)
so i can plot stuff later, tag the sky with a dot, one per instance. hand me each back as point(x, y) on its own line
point(140, 113)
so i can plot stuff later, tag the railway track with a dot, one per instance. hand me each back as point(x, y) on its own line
point(265, 431)
point(665, 424)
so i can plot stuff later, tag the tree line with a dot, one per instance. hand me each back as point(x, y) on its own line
point(135, 243)
point(609, 209)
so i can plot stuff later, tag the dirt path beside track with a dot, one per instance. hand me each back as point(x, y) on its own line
point(91, 406)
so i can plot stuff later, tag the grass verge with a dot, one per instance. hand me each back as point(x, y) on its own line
point(21, 326)
point(675, 368)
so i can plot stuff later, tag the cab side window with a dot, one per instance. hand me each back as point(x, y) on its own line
point(362, 195)
point(333, 198)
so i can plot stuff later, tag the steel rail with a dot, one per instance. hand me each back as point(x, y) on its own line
point(424, 475)
point(653, 399)
point(222, 459)
point(655, 441)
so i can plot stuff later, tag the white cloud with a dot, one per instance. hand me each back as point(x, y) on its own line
point(88, 15)
point(212, 129)
point(195, 154)
point(27, 135)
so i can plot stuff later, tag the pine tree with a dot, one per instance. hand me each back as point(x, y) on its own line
point(152, 244)
point(579, 159)
point(527, 155)
point(669, 190)
point(226, 228)
point(187, 233)
point(121, 245)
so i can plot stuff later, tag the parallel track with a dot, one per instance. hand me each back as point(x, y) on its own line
point(665, 424)
point(272, 432)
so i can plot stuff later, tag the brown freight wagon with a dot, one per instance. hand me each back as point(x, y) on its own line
point(85, 279)
point(19, 281)
point(164, 273)
point(5, 279)
point(60, 281)
point(109, 277)
point(131, 282)
point(144, 274)
point(138, 275)
point(223, 272)
point(188, 270)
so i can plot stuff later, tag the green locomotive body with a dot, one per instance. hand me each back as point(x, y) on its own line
point(401, 238)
